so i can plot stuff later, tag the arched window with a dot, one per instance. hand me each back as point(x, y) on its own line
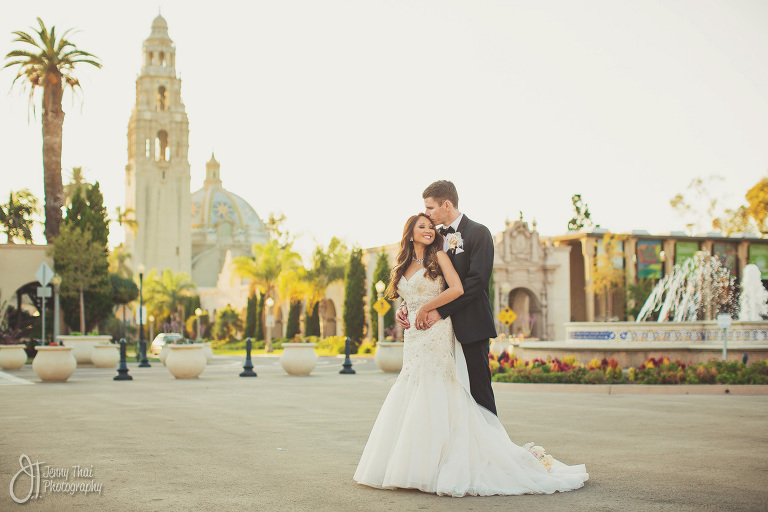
point(150, 56)
point(162, 58)
point(161, 98)
point(162, 150)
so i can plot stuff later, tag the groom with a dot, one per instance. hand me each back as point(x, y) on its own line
point(469, 245)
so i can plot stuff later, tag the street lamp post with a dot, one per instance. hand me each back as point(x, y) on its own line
point(142, 342)
point(380, 287)
point(56, 282)
point(270, 324)
point(151, 320)
point(198, 312)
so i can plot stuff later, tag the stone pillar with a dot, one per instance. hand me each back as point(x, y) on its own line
point(668, 246)
point(588, 251)
point(742, 257)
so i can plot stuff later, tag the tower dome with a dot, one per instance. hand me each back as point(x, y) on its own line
point(159, 28)
point(220, 220)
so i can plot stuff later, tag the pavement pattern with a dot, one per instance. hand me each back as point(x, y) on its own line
point(281, 443)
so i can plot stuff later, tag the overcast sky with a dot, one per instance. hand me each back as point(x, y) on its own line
point(338, 113)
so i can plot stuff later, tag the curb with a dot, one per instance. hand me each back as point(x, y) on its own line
point(636, 389)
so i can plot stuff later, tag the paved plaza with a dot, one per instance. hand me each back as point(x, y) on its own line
point(280, 443)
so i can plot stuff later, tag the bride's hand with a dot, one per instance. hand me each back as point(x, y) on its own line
point(421, 319)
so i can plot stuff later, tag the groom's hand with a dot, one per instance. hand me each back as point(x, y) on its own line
point(402, 316)
point(432, 317)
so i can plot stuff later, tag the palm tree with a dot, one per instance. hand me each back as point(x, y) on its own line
point(127, 218)
point(268, 263)
point(76, 186)
point(165, 293)
point(50, 65)
point(118, 262)
point(14, 215)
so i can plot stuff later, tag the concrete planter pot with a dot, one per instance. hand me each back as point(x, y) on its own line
point(298, 358)
point(105, 356)
point(12, 357)
point(185, 361)
point(389, 356)
point(83, 345)
point(164, 354)
point(208, 352)
point(54, 364)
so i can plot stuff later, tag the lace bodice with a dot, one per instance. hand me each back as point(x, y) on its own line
point(428, 352)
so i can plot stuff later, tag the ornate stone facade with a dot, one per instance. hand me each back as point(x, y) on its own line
point(531, 277)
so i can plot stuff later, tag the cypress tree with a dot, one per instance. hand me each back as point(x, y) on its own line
point(380, 273)
point(250, 316)
point(354, 298)
point(293, 325)
point(312, 321)
point(258, 331)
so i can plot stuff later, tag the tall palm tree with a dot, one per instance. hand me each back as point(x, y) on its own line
point(165, 293)
point(15, 215)
point(126, 218)
point(76, 186)
point(269, 261)
point(118, 262)
point(49, 65)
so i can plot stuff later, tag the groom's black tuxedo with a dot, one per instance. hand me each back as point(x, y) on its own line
point(471, 313)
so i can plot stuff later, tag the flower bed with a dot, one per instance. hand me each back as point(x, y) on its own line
point(509, 368)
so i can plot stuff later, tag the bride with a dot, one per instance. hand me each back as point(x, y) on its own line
point(430, 434)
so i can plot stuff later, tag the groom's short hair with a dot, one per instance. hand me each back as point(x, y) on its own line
point(441, 191)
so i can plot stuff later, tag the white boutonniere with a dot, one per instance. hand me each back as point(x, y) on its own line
point(455, 243)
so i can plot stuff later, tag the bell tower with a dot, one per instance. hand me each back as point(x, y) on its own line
point(157, 175)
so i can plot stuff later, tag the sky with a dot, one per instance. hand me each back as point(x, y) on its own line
point(339, 113)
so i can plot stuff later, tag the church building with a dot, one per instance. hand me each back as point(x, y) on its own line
point(196, 233)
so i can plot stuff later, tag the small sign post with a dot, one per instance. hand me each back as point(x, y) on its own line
point(44, 275)
point(724, 322)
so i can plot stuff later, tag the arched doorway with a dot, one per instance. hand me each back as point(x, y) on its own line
point(329, 318)
point(526, 305)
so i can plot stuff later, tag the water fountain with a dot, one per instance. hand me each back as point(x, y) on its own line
point(696, 289)
point(753, 302)
point(685, 304)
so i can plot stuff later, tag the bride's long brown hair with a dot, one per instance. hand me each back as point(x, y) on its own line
point(406, 254)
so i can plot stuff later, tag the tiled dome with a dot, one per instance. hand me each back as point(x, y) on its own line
point(212, 205)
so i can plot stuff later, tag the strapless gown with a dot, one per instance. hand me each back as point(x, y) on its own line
point(431, 435)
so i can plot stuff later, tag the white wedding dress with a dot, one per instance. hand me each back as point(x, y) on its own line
point(431, 434)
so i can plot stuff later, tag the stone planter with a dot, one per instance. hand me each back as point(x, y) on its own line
point(499, 346)
point(54, 364)
point(208, 352)
point(83, 345)
point(12, 357)
point(105, 356)
point(298, 358)
point(185, 361)
point(163, 353)
point(389, 356)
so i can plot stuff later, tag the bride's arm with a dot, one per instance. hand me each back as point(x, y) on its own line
point(454, 290)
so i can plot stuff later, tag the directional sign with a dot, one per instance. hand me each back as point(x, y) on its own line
point(507, 316)
point(44, 291)
point(270, 321)
point(381, 306)
point(44, 274)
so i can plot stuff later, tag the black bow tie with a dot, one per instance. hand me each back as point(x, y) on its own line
point(446, 231)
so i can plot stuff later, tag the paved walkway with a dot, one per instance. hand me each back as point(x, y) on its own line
point(280, 443)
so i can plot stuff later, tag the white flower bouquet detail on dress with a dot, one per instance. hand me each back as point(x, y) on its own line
point(455, 243)
point(541, 454)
